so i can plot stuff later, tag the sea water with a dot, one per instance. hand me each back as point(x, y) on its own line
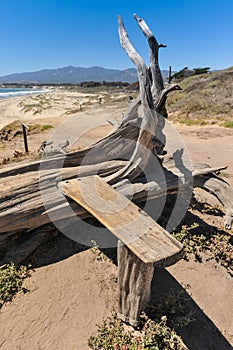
point(10, 92)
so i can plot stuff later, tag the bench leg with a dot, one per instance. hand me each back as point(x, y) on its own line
point(134, 285)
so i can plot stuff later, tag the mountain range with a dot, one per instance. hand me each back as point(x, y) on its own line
point(73, 75)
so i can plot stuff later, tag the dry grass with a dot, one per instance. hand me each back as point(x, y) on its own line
point(14, 129)
point(205, 99)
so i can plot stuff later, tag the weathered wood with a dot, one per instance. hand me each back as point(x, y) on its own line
point(170, 74)
point(20, 251)
point(143, 243)
point(24, 127)
point(137, 230)
point(208, 170)
point(134, 285)
point(148, 115)
point(157, 79)
point(134, 128)
point(222, 191)
point(21, 195)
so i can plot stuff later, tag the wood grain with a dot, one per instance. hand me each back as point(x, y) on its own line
point(137, 230)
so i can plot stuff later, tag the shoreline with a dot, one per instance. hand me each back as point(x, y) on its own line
point(22, 93)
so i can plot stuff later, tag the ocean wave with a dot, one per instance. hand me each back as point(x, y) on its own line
point(21, 93)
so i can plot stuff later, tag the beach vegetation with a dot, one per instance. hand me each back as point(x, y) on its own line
point(197, 240)
point(100, 256)
point(14, 130)
point(153, 334)
point(11, 281)
point(205, 99)
point(35, 104)
point(228, 124)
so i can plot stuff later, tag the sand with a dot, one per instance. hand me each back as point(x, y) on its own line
point(69, 290)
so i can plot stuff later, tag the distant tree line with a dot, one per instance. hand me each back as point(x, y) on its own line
point(83, 84)
point(103, 83)
point(185, 72)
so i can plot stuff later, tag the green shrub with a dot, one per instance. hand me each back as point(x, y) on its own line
point(173, 306)
point(11, 280)
point(113, 335)
point(228, 124)
point(46, 127)
point(196, 240)
point(193, 240)
point(36, 128)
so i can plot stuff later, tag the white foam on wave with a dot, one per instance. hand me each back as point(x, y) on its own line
point(21, 93)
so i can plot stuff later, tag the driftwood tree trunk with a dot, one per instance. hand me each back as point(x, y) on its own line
point(137, 147)
point(139, 135)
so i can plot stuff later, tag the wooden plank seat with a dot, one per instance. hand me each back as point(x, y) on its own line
point(143, 244)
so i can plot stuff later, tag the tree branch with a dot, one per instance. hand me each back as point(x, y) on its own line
point(148, 115)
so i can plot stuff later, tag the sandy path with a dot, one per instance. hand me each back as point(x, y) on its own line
point(211, 145)
point(65, 302)
point(67, 299)
point(81, 128)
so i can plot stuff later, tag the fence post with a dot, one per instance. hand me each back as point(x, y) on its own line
point(25, 127)
point(170, 74)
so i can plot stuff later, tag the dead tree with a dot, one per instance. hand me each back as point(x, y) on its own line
point(135, 148)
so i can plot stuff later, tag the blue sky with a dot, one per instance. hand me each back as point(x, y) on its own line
point(38, 34)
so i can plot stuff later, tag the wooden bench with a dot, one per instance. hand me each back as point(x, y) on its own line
point(142, 245)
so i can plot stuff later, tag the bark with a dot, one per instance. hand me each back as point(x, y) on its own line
point(22, 196)
point(222, 191)
point(148, 115)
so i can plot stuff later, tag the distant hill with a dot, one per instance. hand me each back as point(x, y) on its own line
point(73, 75)
point(204, 99)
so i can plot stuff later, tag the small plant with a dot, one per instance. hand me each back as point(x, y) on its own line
point(193, 239)
point(173, 306)
point(95, 250)
point(159, 336)
point(113, 335)
point(225, 174)
point(36, 128)
point(11, 280)
point(223, 251)
point(228, 124)
point(189, 122)
point(156, 331)
point(46, 127)
point(197, 240)
point(35, 104)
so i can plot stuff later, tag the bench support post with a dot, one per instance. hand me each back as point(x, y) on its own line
point(134, 285)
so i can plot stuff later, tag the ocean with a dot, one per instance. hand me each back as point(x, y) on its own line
point(8, 92)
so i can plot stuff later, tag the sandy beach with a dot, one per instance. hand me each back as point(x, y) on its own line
point(65, 114)
point(80, 118)
point(52, 105)
point(73, 291)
